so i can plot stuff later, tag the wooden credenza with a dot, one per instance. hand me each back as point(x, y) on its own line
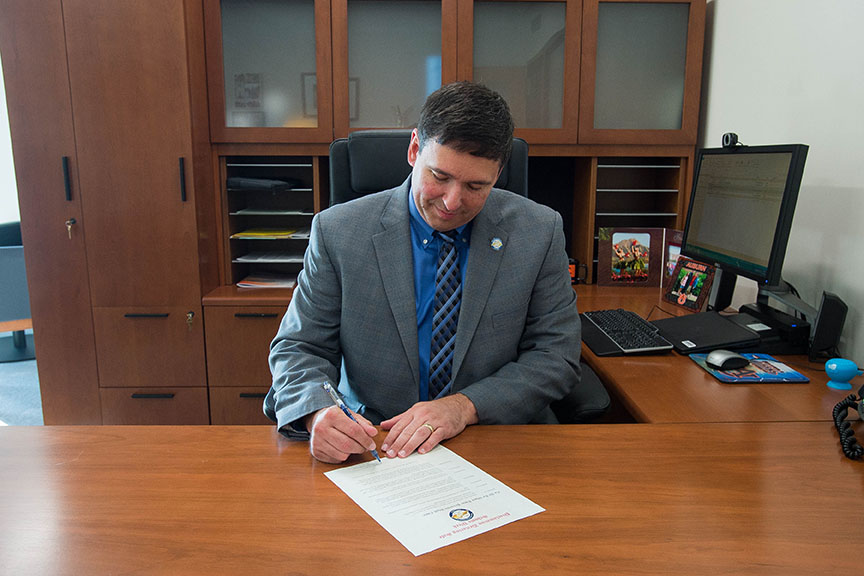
point(126, 123)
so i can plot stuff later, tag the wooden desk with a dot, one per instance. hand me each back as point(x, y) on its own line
point(620, 499)
point(670, 387)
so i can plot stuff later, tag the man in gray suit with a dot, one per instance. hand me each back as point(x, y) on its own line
point(363, 314)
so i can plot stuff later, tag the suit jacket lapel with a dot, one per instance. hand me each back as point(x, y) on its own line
point(483, 264)
point(393, 250)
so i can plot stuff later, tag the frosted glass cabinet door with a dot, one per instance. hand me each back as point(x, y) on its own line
point(273, 79)
point(528, 52)
point(641, 71)
point(388, 56)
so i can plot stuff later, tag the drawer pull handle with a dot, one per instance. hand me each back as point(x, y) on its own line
point(182, 179)
point(67, 180)
point(252, 394)
point(256, 315)
point(141, 395)
point(141, 315)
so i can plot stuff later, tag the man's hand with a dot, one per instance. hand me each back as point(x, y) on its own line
point(334, 436)
point(425, 424)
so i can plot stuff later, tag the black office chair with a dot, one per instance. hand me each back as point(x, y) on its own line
point(14, 296)
point(373, 160)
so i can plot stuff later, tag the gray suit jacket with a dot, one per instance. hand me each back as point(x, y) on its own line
point(352, 318)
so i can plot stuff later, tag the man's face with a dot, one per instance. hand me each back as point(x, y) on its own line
point(449, 187)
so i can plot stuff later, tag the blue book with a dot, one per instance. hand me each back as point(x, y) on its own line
point(762, 368)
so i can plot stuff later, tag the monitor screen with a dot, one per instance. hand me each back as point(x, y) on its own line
point(741, 208)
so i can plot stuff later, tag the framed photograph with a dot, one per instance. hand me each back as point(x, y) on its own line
point(247, 91)
point(353, 98)
point(690, 284)
point(671, 250)
point(310, 94)
point(630, 256)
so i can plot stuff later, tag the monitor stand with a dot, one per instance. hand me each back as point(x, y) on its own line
point(781, 333)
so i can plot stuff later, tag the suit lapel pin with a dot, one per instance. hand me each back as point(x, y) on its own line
point(496, 243)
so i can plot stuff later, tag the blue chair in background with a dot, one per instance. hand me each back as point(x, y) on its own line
point(14, 297)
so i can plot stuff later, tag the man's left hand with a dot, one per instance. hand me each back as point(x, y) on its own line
point(425, 424)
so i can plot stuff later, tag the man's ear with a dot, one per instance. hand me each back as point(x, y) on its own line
point(413, 148)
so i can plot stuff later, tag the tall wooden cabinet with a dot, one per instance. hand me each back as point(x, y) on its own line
point(113, 255)
point(33, 48)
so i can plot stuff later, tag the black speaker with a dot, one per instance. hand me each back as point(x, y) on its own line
point(828, 327)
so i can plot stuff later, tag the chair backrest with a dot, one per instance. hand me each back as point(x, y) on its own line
point(373, 160)
point(14, 298)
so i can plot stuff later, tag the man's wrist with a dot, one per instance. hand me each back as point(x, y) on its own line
point(469, 411)
point(309, 420)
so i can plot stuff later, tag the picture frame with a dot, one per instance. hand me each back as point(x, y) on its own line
point(672, 240)
point(309, 83)
point(248, 91)
point(353, 98)
point(630, 256)
point(690, 284)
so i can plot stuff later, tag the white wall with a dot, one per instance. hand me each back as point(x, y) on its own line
point(790, 71)
point(8, 189)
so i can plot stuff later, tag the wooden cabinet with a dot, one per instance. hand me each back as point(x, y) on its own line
point(387, 57)
point(238, 346)
point(527, 51)
point(131, 120)
point(573, 71)
point(269, 70)
point(238, 406)
point(150, 346)
point(33, 47)
point(158, 406)
point(122, 235)
point(641, 71)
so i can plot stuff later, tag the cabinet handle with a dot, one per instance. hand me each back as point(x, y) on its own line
point(67, 181)
point(141, 315)
point(252, 394)
point(256, 315)
point(141, 395)
point(182, 179)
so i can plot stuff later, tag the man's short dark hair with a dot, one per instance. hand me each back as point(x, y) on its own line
point(468, 117)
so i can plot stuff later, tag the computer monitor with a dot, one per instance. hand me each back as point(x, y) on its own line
point(741, 210)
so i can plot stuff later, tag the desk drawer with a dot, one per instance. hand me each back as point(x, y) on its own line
point(149, 346)
point(240, 405)
point(154, 405)
point(238, 344)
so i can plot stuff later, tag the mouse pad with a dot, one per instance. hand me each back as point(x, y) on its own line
point(762, 368)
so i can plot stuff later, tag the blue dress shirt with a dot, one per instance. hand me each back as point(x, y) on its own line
point(425, 246)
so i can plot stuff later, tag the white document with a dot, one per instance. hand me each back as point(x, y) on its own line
point(427, 501)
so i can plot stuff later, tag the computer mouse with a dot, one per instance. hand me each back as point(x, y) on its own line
point(726, 360)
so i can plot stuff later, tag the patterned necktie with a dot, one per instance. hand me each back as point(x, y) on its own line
point(448, 296)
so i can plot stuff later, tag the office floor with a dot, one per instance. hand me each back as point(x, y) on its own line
point(20, 401)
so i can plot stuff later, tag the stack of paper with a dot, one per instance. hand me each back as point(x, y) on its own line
point(263, 234)
point(267, 281)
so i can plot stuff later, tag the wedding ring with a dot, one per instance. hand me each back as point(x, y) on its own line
point(429, 426)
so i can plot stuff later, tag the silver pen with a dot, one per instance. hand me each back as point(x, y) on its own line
point(338, 401)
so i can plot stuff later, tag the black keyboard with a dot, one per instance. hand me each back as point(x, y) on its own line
point(620, 331)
